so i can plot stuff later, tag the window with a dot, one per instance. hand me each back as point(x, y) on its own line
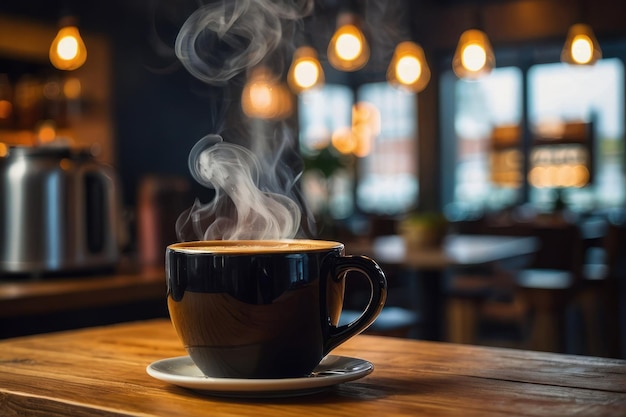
point(361, 145)
point(388, 173)
point(486, 112)
point(560, 94)
point(327, 181)
point(481, 127)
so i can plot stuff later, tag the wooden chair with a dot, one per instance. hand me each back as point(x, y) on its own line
point(548, 286)
point(602, 292)
point(530, 300)
point(479, 297)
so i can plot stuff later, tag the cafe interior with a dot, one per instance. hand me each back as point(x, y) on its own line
point(474, 148)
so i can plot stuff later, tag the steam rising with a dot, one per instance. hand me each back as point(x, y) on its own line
point(220, 40)
point(255, 193)
point(243, 207)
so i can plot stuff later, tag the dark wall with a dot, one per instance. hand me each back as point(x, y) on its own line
point(159, 111)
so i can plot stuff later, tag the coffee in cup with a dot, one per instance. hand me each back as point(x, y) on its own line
point(266, 308)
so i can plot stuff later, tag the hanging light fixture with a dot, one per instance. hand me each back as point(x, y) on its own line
point(348, 49)
point(408, 69)
point(68, 51)
point(306, 71)
point(581, 46)
point(265, 97)
point(474, 57)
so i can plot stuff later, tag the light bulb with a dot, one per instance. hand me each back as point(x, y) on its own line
point(348, 49)
point(348, 46)
point(68, 51)
point(265, 97)
point(581, 46)
point(582, 49)
point(408, 68)
point(261, 95)
point(474, 56)
point(306, 71)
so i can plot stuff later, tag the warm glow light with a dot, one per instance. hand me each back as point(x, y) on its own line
point(306, 74)
point(46, 132)
point(348, 46)
point(581, 175)
point(261, 95)
point(72, 88)
point(363, 141)
point(365, 127)
point(67, 48)
point(306, 71)
point(348, 49)
point(408, 68)
point(559, 167)
point(582, 49)
point(4, 149)
point(265, 97)
point(343, 140)
point(581, 46)
point(559, 176)
point(474, 56)
point(68, 51)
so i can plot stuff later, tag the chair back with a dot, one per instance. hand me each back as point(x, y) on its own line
point(561, 244)
point(615, 246)
point(561, 247)
point(615, 290)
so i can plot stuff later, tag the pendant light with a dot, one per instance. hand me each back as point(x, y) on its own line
point(68, 51)
point(265, 97)
point(306, 72)
point(408, 69)
point(581, 46)
point(474, 57)
point(348, 49)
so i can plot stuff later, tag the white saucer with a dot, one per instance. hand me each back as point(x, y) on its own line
point(332, 370)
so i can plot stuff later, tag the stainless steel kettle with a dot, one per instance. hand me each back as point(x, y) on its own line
point(58, 211)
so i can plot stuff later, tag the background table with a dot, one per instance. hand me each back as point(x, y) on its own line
point(456, 250)
point(34, 305)
point(429, 265)
point(101, 371)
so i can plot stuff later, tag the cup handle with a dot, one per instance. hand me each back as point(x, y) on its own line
point(370, 269)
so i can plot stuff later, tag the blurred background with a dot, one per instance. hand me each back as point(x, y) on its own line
point(519, 135)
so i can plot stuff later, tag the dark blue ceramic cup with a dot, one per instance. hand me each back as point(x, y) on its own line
point(264, 309)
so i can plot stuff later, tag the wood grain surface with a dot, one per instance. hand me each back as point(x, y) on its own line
point(101, 372)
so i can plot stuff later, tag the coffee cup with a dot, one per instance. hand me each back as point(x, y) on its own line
point(264, 308)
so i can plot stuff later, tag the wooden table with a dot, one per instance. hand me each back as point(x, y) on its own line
point(456, 250)
point(430, 264)
point(101, 372)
